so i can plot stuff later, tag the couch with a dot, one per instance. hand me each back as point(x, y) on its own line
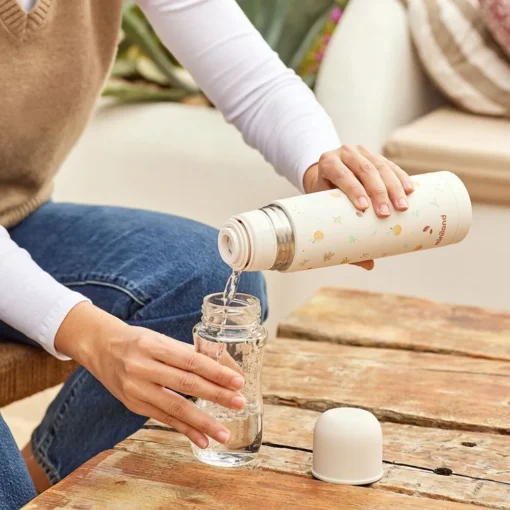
point(186, 160)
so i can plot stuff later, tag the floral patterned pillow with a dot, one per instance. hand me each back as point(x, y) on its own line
point(309, 66)
point(496, 14)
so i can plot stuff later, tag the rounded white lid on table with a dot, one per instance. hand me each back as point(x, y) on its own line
point(347, 447)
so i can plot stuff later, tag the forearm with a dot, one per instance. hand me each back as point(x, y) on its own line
point(275, 111)
point(31, 301)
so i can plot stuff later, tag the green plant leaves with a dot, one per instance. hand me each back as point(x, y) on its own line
point(309, 39)
point(302, 15)
point(138, 32)
point(140, 91)
point(145, 70)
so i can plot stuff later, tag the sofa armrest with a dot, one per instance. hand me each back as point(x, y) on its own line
point(371, 82)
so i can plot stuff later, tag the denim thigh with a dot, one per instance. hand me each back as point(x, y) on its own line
point(146, 268)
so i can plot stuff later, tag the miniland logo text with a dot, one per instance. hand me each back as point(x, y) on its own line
point(442, 231)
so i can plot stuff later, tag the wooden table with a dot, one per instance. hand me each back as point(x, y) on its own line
point(436, 375)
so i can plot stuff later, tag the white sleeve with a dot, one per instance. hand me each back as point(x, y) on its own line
point(271, 106)
point(31, 301)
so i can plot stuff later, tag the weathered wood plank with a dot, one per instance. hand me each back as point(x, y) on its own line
point(372, 319)
point(138, 479)
point(414, 388)
point(471, 454)
point(475, 467)
point(400, 479)
point(397, 479)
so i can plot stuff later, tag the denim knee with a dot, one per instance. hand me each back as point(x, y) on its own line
point(210, 272)
point(190, 269)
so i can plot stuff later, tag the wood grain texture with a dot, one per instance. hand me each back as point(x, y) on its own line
point(397, 479)
point(475, 467)
point(438, 376)
point(399, 386)
point(132, 477)
point(372, 319)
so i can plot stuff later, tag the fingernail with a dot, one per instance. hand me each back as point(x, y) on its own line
point(223, 436)
point(409, 186)
point(362, 203)
point(238, 401)
point(203, 443)
point(237, 382)
point(403, 203)
point(384, 210)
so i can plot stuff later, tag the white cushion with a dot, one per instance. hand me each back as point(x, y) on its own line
point(476, 148)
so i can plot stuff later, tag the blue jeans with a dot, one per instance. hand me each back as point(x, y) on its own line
point(146, 268)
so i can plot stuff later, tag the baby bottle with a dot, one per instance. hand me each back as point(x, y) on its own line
point(233, 335)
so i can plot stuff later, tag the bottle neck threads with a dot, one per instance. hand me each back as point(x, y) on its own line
point(243, 312)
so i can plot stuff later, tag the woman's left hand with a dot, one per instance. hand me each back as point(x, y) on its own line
point(366, 178)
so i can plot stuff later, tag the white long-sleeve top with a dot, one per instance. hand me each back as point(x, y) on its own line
point(274, 110)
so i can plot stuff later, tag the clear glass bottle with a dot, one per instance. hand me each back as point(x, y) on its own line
point(234, 336)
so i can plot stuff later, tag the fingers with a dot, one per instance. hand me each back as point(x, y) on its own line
point(217, 351)
point(333, 169)
point(366, 264)
point(175, 410)
point(403, 177)
point(227, 360)
point(365, 177)
point(370, 177)
point(392, 183)
point(179, 355)
point(189, 383)
point(194, 435)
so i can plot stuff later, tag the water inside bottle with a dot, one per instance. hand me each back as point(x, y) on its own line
point(245, 426)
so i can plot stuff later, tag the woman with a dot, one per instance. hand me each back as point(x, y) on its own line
point(119, 290)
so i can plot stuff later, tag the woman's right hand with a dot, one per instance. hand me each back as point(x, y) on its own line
point(146, 370)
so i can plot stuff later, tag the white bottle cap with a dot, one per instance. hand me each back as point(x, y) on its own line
point(239, 238)
point(347, 447)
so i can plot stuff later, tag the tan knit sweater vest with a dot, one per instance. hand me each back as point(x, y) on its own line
point(53, 65)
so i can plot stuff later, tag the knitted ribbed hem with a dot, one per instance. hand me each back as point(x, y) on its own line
point(17, 214)
point(37, 16)
point(17, 20)
point(13, 16)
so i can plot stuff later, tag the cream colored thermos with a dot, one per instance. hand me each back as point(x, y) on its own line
point(325, 229)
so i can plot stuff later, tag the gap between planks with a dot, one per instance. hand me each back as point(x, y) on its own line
point(397, 386)
point(276, 446)
point(458, 466)
point(399, 478)
point(384, 415)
